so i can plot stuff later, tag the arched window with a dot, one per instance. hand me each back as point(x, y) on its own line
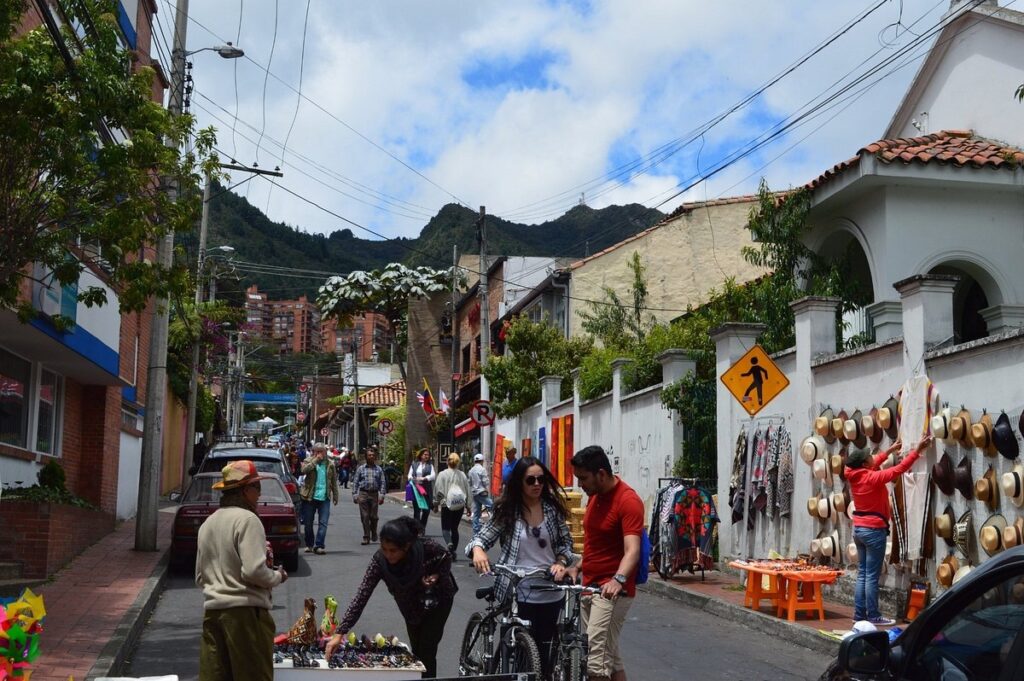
point(970, 297)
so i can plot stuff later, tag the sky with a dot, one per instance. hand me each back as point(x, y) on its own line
point(533, 106)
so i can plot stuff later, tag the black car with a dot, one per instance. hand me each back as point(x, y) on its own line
point(265, 460)
point(972, 632)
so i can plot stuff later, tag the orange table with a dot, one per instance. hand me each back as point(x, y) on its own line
point(785, 586)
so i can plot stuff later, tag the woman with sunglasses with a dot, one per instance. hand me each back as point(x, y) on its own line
point(529, 520)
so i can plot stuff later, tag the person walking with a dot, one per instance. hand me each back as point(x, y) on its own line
point(871, 521)
point(510, 463)
point(422, 473)
point(479, 488)
point(530, 522)
point(612, 524)
point(418, 574)
point(368, 490)
point(319, 491)
point(345, 467)
point(451, 492)
point(233, 572)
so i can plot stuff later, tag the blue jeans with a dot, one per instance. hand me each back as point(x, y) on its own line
point(870, 544)
point(480, 502)
point(323, 510)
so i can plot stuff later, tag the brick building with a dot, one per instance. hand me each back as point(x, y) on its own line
point(291, 325)
point(368, 331)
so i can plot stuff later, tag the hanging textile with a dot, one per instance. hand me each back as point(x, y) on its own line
point(695, 517)
point(918, 401)
point(758, 481)
point(784, 496)
point(738, 481)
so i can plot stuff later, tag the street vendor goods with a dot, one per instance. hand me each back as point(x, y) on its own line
point(303, 632)
point(20, 627)
point(357, 652)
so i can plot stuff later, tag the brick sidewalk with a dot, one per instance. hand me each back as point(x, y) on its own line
point(87, 601)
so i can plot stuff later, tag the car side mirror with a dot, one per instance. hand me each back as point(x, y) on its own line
point(174, 496)
point(866, 653)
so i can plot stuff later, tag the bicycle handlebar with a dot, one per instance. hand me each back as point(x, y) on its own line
point(517, 573)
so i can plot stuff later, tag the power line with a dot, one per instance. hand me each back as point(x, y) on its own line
point(234, 64)
point(266, 78)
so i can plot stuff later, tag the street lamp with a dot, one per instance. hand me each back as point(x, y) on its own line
point(227, 51)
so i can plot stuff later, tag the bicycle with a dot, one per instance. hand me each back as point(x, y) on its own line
point(498, 641)
point(569, 658)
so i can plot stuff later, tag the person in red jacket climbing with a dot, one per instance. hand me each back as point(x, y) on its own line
point(871, 521)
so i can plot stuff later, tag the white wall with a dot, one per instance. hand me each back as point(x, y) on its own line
point(14, 470)
point(102, 321)
point(129, 461)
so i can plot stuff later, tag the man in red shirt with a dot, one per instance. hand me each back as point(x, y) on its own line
point(612, 526)
point(871, 521)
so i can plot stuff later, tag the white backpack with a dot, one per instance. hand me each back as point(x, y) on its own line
point(455, 500)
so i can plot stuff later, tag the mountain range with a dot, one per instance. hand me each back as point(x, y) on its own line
point(257, 239)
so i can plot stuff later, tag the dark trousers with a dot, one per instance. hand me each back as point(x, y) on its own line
point(543, 619)
point(368, 503)
point(421, 514)
point(450, 521)
point(425, 636)
point(237, 643)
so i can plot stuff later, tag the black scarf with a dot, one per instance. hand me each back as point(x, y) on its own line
point(405, 573)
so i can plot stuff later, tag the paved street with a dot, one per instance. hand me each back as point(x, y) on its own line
point(663, 639)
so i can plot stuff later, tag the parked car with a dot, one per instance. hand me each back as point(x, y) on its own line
point(972, 632)
point(266, 461)
point(280, 520)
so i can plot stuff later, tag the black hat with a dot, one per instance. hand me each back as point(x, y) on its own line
point(1004, 437)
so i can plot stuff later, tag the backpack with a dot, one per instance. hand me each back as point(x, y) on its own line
point(455, 500)
point(643, 567)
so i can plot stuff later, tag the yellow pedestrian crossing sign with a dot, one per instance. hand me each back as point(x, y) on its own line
point(754, 380)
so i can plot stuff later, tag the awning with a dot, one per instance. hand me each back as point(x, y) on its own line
point(467, 426)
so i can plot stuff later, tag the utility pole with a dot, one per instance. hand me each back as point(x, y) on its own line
point(455, 335)
point(485, 324)
point(156, 371)
point(355, 396)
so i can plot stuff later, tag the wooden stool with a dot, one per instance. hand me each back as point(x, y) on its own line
point(790, 604)
point(756, 593)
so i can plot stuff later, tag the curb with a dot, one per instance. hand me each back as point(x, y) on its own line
point(794, 633)
point(112, 658)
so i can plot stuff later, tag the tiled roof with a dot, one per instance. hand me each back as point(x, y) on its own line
point(960, 148)
point(388, 395)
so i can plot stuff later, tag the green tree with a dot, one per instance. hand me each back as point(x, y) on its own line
point(394, 452)
point(73, 195)
point(614, 323)
point(532, 350)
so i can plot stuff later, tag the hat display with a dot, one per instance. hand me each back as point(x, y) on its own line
point(962, 478)
point(1013, 535)
point(812, 506)
point(837, 426)
point(942, 473)
point(841, 500)
point(981, 433)
point(961, 572)
point(852, 556)
point(853, 429)
point(960, 428)
point(947, 568)
point(1013, 485)
point(869, 424)
point(823, 471)
point(945, 524)
point(990, 536)
point(823, 425)
point(238, 474)
point(986, 489)
point(941, 423)
point(830, 545)
point(838, 461)
point(817, 542)
point(1004, 438)
point(889, 417)
point(962, 535)
point(812, 448)
point(826, 508)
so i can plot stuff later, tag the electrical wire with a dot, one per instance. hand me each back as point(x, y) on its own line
point(266, 78)
point(238, 38)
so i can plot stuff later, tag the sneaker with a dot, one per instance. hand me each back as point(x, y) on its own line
point(309, 549)
point(319, 550)
point(883, 622)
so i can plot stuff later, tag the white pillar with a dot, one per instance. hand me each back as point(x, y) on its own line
point(619, 450)
point(927, 316)
point(675, 364)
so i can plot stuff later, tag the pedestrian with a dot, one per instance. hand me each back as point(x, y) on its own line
point(612, 526)
point(345, 467)
point(479, 488)
point(422, 474)
point(368, 490)
point(871, 521)
point(418, 574)
point(530, 522)
point(319, 491)
point(510, 463)
point(451, 492)
point(232, 570)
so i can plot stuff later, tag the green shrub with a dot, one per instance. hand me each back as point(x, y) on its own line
point(51, 477)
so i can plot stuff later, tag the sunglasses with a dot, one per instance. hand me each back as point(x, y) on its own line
point(534, 480)
point(535, 531)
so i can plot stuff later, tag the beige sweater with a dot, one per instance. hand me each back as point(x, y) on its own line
point(448, 478)
point(231, 562)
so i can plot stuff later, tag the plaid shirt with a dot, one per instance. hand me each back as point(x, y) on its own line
point(369, 479)
point(491, 534)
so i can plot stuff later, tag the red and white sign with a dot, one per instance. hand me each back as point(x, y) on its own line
point(482, 413)
point(466, 426)
point(303, 387)
point(325, 431)
point(385, 426)
point(301, 417)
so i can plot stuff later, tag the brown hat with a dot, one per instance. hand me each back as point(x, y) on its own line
point(812, 507)
point(945, 523)
point(981, 432)
point(1013, 535)
point(1004, 437)
point(990, 536)
point(960, 427)
point(853, 429)
point(942, 473)
point(841, 500)
point(837, 426)
point(838, 461)
point(947, 568)
point(986, 489)
point(962, 478)
point(870, 425)
point(889, 417)
point(823, 425)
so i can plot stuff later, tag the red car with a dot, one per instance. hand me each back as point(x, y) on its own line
point(280, 521)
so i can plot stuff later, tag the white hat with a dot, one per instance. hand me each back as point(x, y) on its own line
point(478, 457)
point(852, 555)
point(822, 471)
point(812, 448)
point(1013, 485)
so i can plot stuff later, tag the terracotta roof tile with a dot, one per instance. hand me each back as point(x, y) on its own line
point(387, 395)
point(960, 148)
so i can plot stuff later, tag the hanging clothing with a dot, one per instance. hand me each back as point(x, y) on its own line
point(784, 495)
point(738, 481)
point(918, 402)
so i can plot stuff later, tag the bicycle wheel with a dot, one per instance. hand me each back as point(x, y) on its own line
point(525, 657)
point(471, 654)
point(569, 664)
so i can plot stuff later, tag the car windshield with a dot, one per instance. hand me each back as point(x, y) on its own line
point(264, 463)
point(201, 491)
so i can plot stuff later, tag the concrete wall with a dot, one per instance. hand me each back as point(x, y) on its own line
point(129, 461)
